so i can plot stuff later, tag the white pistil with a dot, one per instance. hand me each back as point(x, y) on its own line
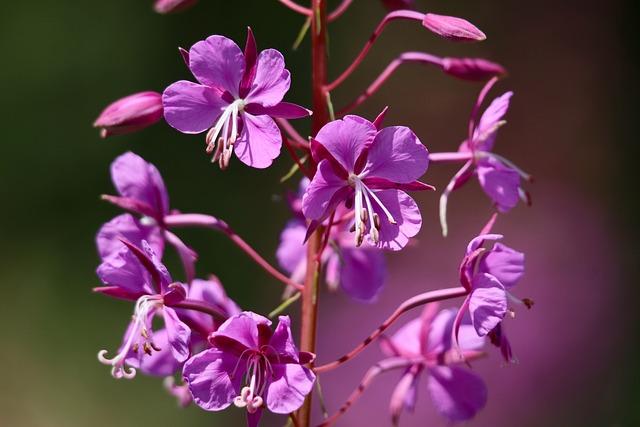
point(222, 137)
point(144, 306)
point(250, 396)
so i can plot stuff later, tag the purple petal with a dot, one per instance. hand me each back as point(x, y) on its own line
point(284, 110)
point(259, 142)
point(346, 138)
point(211, 292)
point(190, 107)
point(404, 394)
point(213, 379)
point(217, 62)
point(452, 28)
point(291, 251)
point(504, 263)
point(271, 81)
point(250, 58)
point(457, 394)
point(406, 341)
point(287, 391)
point(332, 271)
point(158, 363)
point(397, 155)
point(178, 334)
point(242, 329)
point(135, 178)
point(363, 273)
point(127, 227)
point(500, 183)
point(122, 269)
point(282, 340)
point(487, 303)
point(317, 200)
point(485, 134)
point(407, 215)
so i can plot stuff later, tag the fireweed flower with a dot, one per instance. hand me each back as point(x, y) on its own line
point(489, 275)
point(129, 114)
point(370, 169)
point(250, 366)
point(137, 274)
point(360, 272)
point(457, 393)
point(235, 99)
point(141, 189)
point(499, 178)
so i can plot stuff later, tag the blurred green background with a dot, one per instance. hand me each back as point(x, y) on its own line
point(572, 65)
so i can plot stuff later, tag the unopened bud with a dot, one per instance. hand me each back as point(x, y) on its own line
point(452, 28)
point(171, 6)
point(474, 69)
point(130, 114)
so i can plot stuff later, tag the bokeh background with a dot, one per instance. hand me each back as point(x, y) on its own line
point(573, 68)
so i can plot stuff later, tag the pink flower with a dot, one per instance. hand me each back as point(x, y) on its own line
point(129, 114)
point(368, 169)
point(236, 96)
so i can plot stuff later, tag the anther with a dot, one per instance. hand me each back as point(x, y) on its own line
point(376, 220)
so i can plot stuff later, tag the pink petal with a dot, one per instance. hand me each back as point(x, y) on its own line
point(260, 141)
point(271, 81)
point(211, 379)
point(217, 62)
point(452, 28)
point(291, 251)
point(283, 110)
point(127, 227)
point(504, 263)
point(317, 200)
point(500, 183)
point(457, 394)
point(362, 274)
point(190, 107)
point(485, 133)
point(346, 138)
point(287, 392)
point(407, 339)
point(407, 215)
point(487, 303)
point(282, 341)
point(178, 334)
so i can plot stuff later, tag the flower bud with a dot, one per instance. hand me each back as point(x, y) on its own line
point(475, 69)
point(392, 5)
point(452, 28)
point(130, 114)
point(171, 6)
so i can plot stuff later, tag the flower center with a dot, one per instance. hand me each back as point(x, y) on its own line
point(257, 376)
point(364, 200)
point(221, 138)
point(138, 337)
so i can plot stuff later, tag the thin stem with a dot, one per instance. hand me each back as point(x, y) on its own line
point(207, 221)
point(398, 14)
point(416, 301)
point(417, 57)
point(338, 11)
point(450, 156)
point(285, 304)
point(202, 307)
point(296, 7)
point(319, 119)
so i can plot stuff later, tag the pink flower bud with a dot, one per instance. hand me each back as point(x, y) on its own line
point(171, 6)
point(452, 28)
point(130, 114)
point(392, 5)
point(475, 69)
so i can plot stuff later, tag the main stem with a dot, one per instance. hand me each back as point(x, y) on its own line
point(314, 245)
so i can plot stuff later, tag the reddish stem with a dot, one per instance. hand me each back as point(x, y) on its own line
point(338, 11)
point(207, 221)
point(292, 133)
point(296, 7)
point(416, 301)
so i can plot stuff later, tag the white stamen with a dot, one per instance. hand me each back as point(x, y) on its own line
point(367, 214)
point(225, 133)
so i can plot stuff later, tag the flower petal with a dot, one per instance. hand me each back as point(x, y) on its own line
point(190, 107)
point(285, 110)
point(159, 363)
point(317, 201)
point(457, 394)
point(135, 178)
point(217, 62)
point(259, 142)
point(241, 329)
point(282, 341)
point(485, 134)
point(504, 263)
point(500, 183)
point(122, 269)
point(407, 215)
point(487, 303)
point(287, 391)
point(291, 252)
point(346, 138)
point(363, 273)
point(178, 334)
point(271, 81)
point(398, 155)
point(406, 341)
point(212, 380)
point(127, 227)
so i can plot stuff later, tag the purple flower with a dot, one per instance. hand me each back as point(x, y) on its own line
point(130, 114)
point(137, 274)
point(489, 274)
point(141, 190)
point(499, 178)
point(369, 169)
point(360, 272)
point(457, 393)
point(452, 28)
point(250, 366)
point(171, 6)
point(235, 99)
